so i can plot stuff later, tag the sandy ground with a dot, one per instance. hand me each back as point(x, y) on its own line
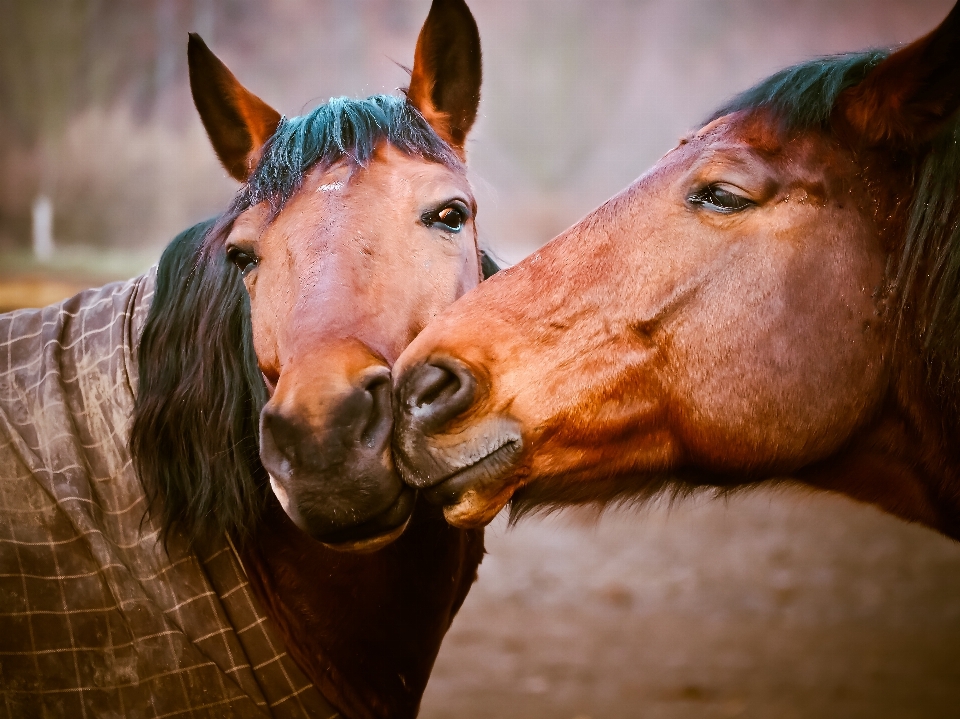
point(779, 603)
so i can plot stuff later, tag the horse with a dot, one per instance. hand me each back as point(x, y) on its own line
point(200, 513)
point(777, 299)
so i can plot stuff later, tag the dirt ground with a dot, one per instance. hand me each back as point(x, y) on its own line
point(780, 603)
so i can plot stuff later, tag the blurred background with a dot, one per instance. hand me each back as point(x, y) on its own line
point(103, 159)
point(775, 605)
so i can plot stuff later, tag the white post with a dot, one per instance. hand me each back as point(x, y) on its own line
point(42, 228)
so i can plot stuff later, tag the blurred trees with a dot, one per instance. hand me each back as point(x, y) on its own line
point(579, 97)
point(60, 58)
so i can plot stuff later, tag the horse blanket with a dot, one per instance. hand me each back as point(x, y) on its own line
point(97, 618)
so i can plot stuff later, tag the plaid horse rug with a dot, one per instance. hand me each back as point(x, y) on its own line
point(97, 619)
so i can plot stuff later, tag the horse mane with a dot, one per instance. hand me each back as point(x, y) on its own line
point(803, 96)
point(195, 418)
point(194, 437)
point(343, 128)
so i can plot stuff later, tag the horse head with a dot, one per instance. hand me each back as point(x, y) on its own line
point(776, 298)
point(352, 229)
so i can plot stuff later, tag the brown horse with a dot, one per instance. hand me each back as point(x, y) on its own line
point(259, 355)
point(778, 298)
point(353, 229)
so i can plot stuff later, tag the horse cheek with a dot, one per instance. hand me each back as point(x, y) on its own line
point(265, 343)
point(774, 361)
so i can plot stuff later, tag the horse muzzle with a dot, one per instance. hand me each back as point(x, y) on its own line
point(329, 460)
point(466, 466)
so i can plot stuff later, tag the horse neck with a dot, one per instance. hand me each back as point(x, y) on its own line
point(905, 460)
point(366, 628)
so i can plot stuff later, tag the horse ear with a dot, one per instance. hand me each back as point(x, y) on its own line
point(446, 75)
point(911, 94)
point(238, 122)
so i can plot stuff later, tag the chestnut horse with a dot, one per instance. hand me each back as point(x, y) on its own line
point(265, 359)
point(777, 299)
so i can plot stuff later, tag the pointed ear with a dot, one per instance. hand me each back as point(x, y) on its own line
point(237, 121)
point(910, 95)
point(446, 75)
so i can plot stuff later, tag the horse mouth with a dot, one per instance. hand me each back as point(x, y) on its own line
point(368, 544)
point(364, 537)
point(479, 477)
point(377, 532)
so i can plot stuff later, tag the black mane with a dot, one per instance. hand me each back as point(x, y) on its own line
point(194, 434)
point(341, 128)
point(803, 96)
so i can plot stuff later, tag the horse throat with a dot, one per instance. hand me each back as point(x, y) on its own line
point(365, 628)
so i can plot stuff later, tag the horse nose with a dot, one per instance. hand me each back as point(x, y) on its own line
point(433, 393)
point(340, 463)
point(363, 416)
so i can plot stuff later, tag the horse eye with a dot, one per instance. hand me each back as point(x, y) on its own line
point(243, 261)
point(719, 199)
point(451, 218)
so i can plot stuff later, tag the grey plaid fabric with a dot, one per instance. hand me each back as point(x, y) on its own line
point(96, 618)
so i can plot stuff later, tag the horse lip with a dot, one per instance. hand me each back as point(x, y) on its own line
point(377, 531)
point(281, 493)
point(370, 544)
point(478, 474)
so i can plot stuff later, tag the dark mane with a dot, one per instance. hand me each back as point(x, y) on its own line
point(194, 438)
point(803, 96)
point(342, 128)
point(927, 282)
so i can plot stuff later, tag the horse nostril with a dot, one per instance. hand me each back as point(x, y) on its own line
point(279, 438)
point(436, 392)
point(379, 425)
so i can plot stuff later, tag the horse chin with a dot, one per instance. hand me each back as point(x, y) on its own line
point(474, 510)
point(370, 544)
point(477, 489)
point(367, 535)
point(375, 532)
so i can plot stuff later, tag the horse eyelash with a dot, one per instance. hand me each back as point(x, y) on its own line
point(706, 196)
point(234, 253)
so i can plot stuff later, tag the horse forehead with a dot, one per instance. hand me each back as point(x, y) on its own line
point(390, 166)
point(754, 141)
